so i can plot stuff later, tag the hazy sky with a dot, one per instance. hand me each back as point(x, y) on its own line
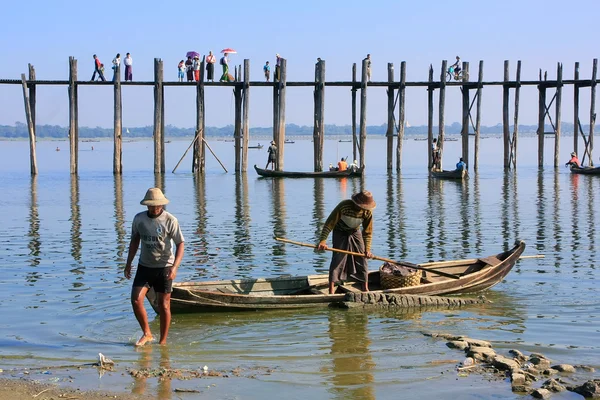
point(45, 33)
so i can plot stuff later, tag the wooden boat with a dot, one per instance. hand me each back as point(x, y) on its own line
point(345, 140)
point(259, 146)
point(311, 291)
point(289, 141)
point(324, 174)
point(455, 174)
point(585, 170)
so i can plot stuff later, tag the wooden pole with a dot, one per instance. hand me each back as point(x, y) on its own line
point(198, 158)
point(32, 94)
point(237, 127)
point(402, 115)
point(213, 153)
point(576, 108)
point(466, 104)
point(505, 113)
point(73, 116)
point(32, 156)
point(158, 139)
point(162, 117)
point(118, 124)
point(363, 113)
point(246, 115)
point(541, 121)
point(390, 118)
point(430, 90)
point(515, 139)
point(281, 114)
point(558, 106)
point(276, 120)
point(478, 118)
point(354, 139)
point(442, 105)
point(196, 136)
point(592, 110)
point(319, 117)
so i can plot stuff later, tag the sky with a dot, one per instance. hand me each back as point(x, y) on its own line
point(540, 33)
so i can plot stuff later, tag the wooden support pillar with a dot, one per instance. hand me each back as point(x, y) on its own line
point(505, 114)
point(73, 116)
point(319, 115)
point(466, 110)
point(32, 156)
point(592, 110)
point(391, 129)
point(576, 108)
point(478, 118)
point(442, 106)
point(281, 113)
point(246, 115)
point(515, 136)
point(118, 124)
point(541, 121)
point(557, 109)
point(402, 115)
point(32, 94)
point(237, 126)
point(354, 139)
point(159, 142)
point(198, 159)
point(363, 113)
point(430, 89)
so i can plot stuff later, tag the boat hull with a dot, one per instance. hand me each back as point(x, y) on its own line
point(455, 174)
point(585, 170)
point(324, 174)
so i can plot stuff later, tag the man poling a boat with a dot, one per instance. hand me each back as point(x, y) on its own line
point(345, 221)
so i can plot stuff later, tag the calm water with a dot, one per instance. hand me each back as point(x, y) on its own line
point(64, 240)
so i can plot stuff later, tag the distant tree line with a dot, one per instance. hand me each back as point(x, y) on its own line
point(19, 130)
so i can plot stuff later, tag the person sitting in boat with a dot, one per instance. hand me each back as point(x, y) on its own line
point(354, 166)
point(345, 220)
point(573, 161)
point(461, 165)
point(342, 165)
point(435, 155)
point(272, 150)
point(331, 167)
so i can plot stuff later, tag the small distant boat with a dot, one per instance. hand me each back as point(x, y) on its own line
point(229, 140)
point(419, 138)
point(345, 140)
point(449, 139)
point(292, 174)
point(289, 141)
point(258, 146)
point(585, 170)
point(455, 174)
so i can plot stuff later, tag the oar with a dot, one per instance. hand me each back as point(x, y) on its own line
point(407, 264)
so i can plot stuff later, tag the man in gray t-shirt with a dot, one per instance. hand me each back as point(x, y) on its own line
point(156, 230)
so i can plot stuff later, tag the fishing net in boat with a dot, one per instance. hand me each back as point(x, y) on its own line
point(393, 276)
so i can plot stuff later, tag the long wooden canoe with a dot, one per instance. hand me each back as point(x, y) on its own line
point(455, 174)
point(324, 174)
point(474, 275)
point(585, 170)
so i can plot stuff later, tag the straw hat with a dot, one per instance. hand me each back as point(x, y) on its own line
point(272, 142)
point(364, 200)
point(573, 154)
point(154, 197)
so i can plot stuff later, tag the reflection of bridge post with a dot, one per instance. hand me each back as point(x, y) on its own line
point(242, 248)
point(465, 217)
point(395, 217)
point(575, 228)
point(591, 225)
point(557, 231)
point(120, 218)
point(435, 219)
point(352, 375)
point(199, 244)
point(541, 212)
point(477, 214)
point(319, 219)
point(34, 225)
point(75, 219)
point(279, 216)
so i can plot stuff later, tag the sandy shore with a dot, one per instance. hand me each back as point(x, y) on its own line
point(22, 389)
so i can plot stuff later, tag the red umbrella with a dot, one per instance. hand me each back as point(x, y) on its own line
point(229, 50)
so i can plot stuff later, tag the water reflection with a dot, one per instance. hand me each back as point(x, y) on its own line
point(318, 220)
point(478, 240)
point(242, 248)
point(435, 224)
point(509, 209)
point(465, 228)
point(541, 212)
point(574, 231)
point(353, 365)
point(278, 218)
point(591, 223)
point(140, 384)
point(34, 225)
point(556, 220)
point(199, 243)
point(75, 222)
point(395, 217)
point(120, 219)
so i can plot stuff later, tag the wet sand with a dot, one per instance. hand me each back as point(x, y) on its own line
point(22, 389)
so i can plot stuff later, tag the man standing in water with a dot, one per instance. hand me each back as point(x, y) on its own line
point(272, 150)
point(155, 229)
point(345, 221)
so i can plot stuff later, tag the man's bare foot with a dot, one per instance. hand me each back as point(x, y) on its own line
point(144, 340)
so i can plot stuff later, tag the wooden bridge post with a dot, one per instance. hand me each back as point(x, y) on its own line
point(390, 118)
point(276, 134)
point(515, 135)
point(237, 127)
point(505, 114)
point(246, 114)
point(478, 118)
point(319, 117)
point(354, 141)
point(73, 116)
point(118, 124)
point(541, 120)
point(198, 159)
point(363, 113)
point(32, 93)
point(466, 112)
point(32, 155)
point(593, 108)
point(159, 140)
point(442, 105)
point(402, 115)
point(430, 89)
point(281, 113)
point(557, 110)
point(576, 108)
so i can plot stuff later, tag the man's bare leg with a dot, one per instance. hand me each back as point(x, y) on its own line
point(331, 287)
point(138, 294)
point(164, 302)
